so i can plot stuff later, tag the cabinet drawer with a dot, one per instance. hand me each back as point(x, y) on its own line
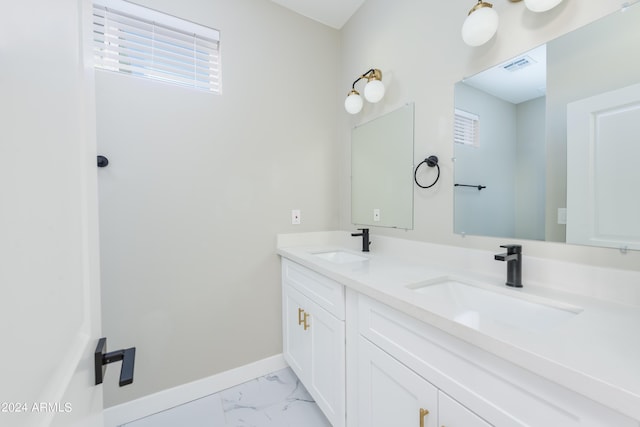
point(453, 414)
point(498, 391)
point(325, 292)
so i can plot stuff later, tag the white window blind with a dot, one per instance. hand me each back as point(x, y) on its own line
point(466, 128)
point(135, 40)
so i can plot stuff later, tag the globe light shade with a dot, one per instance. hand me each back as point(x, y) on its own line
point(374, 90)
point(480, 26)
point(541, 5)
point(353, 103)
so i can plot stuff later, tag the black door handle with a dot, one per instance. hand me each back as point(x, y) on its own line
point(102, 359)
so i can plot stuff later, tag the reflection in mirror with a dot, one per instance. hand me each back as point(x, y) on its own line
point(507, 156)
point(382, 170)
point(520, 154)
point(602, 167)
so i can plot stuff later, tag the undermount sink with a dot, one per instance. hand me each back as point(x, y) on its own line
point(340, 257)
point(479, 307)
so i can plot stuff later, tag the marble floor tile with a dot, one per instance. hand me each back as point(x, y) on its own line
point(278, 399)
point(204, 412)
point(275, 400)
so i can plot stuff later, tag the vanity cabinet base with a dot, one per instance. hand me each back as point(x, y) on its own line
point(495, 390)
point(369, 365)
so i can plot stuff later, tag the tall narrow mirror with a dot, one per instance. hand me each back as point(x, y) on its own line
point(382, 170)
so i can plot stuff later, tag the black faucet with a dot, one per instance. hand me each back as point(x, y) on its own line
point(365, 238)
point(514, 264)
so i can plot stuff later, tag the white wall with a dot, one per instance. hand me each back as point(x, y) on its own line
point(530, 166)
point(199, 185)
point(418, 47)
point(509, 160)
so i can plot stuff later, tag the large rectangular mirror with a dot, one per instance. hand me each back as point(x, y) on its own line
point(548, 134)
point(382, 170)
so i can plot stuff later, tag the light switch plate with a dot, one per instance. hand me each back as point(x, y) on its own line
point(562, 216)
point(376, 215)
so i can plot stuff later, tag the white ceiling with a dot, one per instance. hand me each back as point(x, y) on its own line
point(334, 13)
point(515, 86)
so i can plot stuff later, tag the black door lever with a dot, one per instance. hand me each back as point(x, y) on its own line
point(102, 359)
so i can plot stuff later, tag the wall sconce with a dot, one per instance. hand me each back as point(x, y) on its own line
point(373, 91)
point(482, 22)
point(541, 5)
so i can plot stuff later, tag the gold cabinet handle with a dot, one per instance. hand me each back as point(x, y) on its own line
point(306, 318)
point(300, 319)
point(423, 413)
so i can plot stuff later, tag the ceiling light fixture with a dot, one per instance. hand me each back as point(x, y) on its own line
point(373, 91)
point(481, 23)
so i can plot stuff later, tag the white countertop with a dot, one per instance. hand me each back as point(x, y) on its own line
point(595, 353)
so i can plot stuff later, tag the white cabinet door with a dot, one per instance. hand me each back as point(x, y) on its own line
point(453, 414)
point(297, 350)
point(390, 394)
point(327, 371)
point(314, 347)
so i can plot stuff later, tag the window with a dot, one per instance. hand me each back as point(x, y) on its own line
point(134, 40)
point(465, 128)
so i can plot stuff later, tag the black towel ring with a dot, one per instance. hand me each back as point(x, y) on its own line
point(431, 161)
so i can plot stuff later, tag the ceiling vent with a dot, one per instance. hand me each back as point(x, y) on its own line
point(519, 63)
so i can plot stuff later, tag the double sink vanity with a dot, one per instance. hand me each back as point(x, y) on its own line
point(428, 335)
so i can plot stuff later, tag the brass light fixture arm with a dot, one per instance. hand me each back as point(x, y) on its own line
point(482, 3)
point(373, 73)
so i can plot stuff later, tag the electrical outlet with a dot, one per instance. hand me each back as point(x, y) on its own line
point(295, 216)
point(376, 215)
point(562, 215)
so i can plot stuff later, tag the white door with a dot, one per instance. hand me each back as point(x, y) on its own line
point(603, 206)
point(49, 300)
point(391, 394)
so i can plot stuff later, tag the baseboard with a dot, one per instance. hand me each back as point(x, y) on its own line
point(167, 399)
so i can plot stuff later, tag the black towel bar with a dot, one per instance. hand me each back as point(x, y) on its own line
point(479, 187)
